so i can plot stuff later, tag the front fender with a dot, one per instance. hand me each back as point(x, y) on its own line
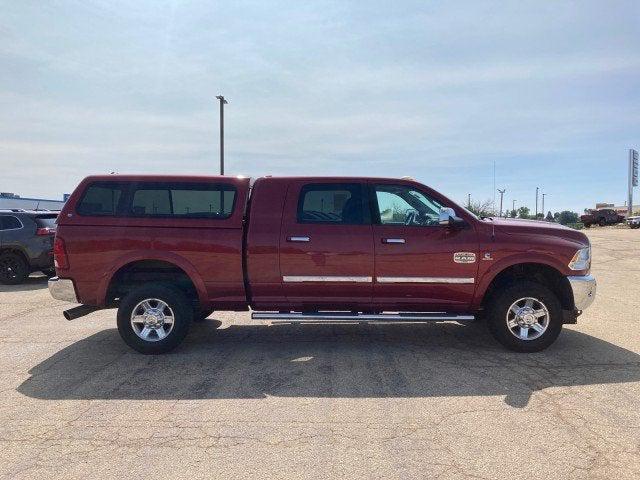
point(489, 274)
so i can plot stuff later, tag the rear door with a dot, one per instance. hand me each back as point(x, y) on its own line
point(419, 264)
point(326, 247)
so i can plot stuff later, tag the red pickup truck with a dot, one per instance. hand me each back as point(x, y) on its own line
point(169, 250)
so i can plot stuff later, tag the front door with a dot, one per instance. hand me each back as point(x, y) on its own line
point(419, 264)
point(326, 246)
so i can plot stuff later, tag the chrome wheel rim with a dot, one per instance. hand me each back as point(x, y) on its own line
point(527, 318)
point(152, 320)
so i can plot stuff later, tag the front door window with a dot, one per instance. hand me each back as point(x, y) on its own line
point(402, 205)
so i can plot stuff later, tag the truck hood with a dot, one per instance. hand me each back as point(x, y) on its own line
point(516, 226)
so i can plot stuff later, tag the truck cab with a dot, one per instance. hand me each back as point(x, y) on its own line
point(166, 251)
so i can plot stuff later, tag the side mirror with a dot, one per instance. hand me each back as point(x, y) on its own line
point(448, 218)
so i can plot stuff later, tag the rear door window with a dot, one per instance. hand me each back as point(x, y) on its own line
point(100, 199)
point(333, 203)
point(183, 200)
point(9, 223)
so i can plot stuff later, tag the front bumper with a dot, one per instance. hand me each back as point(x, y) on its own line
point(62, 289)
point(584, 290)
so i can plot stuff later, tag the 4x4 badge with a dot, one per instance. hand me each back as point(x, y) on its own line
point(464, 257)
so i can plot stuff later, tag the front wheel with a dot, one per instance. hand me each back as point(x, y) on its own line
point(525, 317)
point(154, 319)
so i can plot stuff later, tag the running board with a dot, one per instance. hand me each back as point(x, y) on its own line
point(356, 317)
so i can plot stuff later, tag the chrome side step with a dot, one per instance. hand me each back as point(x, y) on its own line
point(357, 317)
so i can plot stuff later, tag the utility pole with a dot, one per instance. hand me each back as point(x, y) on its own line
point(223, 102)
point(633, 179)
point(514, 206)
point(543, 195)
point(537, 190)
point(501, 192)
point(469, 201)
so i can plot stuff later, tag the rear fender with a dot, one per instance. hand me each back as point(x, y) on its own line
point(168, 257)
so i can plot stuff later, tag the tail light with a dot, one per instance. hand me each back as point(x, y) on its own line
point(44, 231)
point(60, 259)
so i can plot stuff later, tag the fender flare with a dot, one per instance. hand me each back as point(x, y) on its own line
point(501, 265)
point(168, 257)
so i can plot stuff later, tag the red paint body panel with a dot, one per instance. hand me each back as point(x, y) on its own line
point(208, 250)
point(240, 261)
point(332, 251)
point(263, 245)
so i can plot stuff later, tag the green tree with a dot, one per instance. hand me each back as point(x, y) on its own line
point(513, 213)
point(549, 217)
point(523, 212)
point(482, 209)
point(566, 217)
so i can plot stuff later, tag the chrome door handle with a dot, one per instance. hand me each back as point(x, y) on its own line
point(393, 240)
point(298, 239)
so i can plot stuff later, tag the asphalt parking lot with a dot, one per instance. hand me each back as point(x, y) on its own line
point(353, 401)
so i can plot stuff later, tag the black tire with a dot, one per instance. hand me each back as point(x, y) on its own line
point(175, 300)
point(13, 269)
point(500, 305)
point(587, 225)
point(602, 222)
point(201, 315)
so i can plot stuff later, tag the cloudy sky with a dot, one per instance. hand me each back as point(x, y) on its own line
point(549, 91)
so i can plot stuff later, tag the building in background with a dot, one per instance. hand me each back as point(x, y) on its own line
point(621, 210)
point(13, 201)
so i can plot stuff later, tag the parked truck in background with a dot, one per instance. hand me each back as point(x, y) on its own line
point(602, 217)
point(169, 250)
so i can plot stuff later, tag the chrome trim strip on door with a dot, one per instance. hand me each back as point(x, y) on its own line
point(393, 240)
point(324, 278)
point(298, 239)
point(425, 280)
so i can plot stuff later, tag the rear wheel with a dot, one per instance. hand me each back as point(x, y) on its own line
point(602, 222)
point(154, 319)
point(13, 269)
point(525, 317)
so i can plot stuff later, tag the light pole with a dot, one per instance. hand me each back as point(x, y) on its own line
point(514, 206)
point(223, 102)
point(469, 201)
point(501, 192)
point(537, 190)
point(543, 195)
